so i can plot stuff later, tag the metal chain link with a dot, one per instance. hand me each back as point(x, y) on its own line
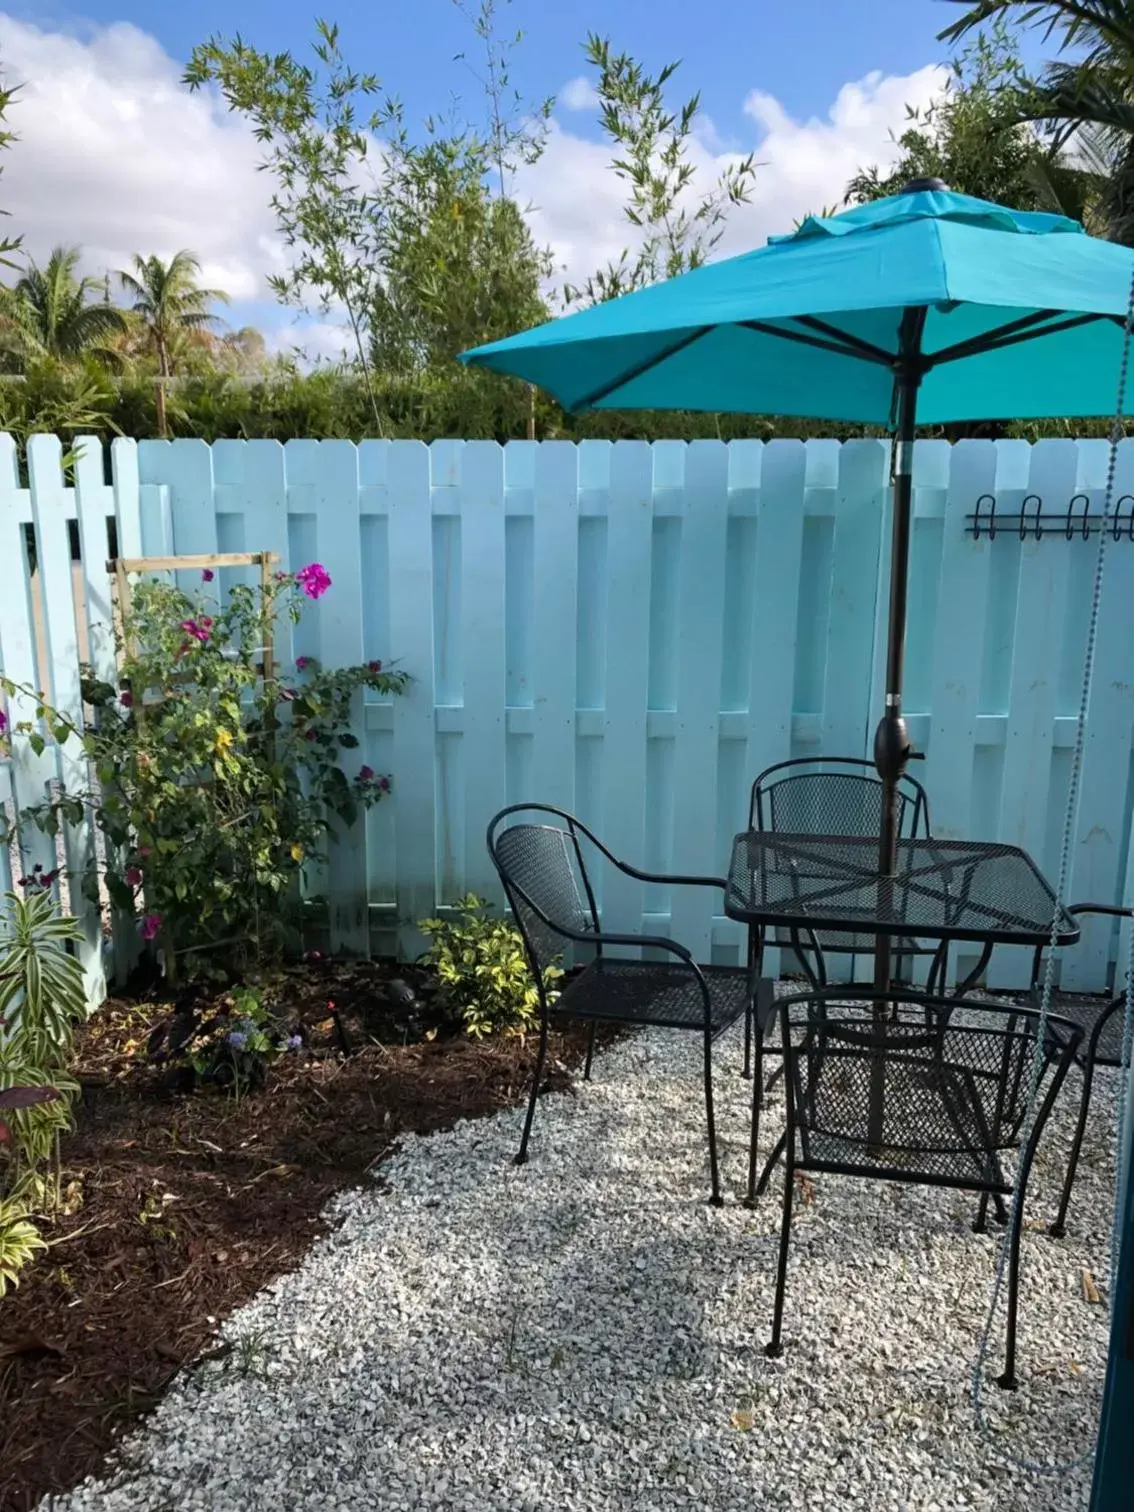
point(1070, 825)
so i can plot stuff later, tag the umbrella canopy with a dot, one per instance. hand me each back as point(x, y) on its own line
point(1023, 316)
point(924, 307)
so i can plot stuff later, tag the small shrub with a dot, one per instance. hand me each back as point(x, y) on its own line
point(483, 971)
point(42, 998)
point(214, 786)
point(231, 1047)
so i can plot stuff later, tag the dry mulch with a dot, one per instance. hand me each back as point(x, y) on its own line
point(183, 1206)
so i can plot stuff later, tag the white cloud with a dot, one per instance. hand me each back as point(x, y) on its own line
point(802, 166)
point(116, 155)
point(578, 94)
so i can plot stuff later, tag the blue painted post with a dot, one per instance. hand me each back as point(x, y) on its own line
point(1114, 1456)
point(484, 736)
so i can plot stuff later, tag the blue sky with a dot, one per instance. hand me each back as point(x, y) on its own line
point(801, 50)
point(115, 155)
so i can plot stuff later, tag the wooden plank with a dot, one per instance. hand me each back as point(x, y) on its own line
point(94, 501)
point(848, 721)
point(49, 515)
point(1098, 865)
point(483, 742)
point(202, 559)
point(187, 468)
point(28, 774)
point(1041, 612)
point(264, 496)
point(696, 749)
point(629, 546)
point(962, 611)
point(555, 570)
point(339, 623)
point(411, 632)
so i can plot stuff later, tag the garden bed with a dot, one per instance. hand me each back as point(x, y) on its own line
point(183, 1206)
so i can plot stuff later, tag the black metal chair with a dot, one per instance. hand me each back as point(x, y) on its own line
point(833, 795)
point(914, 1097)
point(1103, 1021)
point(545, 878)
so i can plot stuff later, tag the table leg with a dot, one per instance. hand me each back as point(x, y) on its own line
point(883, 954)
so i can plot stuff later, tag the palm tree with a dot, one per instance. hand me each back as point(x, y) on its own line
point(49, 313)
point(168, 304)
point(1087, 100)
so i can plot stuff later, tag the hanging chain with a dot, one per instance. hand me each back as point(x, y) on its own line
point(1070, 825)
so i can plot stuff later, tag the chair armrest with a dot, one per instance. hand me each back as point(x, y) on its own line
point(639, 941)
point(1108, 910)
point(673, 880)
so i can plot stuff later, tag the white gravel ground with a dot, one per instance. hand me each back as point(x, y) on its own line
point(586, 1332)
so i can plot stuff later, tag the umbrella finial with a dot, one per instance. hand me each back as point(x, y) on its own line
point(925, 186)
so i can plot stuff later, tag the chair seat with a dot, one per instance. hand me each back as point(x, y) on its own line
point(1086, 1011)
point(932, 1129)
point(665, 994)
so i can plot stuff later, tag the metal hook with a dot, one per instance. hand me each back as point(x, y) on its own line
point(991, 498)
point(1116, 523)
point(1069, 529)
point(1024, 516)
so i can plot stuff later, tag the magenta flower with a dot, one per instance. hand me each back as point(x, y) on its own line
point(302, 663)
point(207, 574)
point(3, 721)
point(150, 927)
point(366, 774)
point(126, 699)
point(374, 666)
point(133, 876)
point(384, 784)
point(198, 629)
point(313, 579)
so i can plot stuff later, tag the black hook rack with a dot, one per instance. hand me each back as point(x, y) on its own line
point(1031, 523)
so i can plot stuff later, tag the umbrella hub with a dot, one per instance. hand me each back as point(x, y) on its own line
point(925, 186)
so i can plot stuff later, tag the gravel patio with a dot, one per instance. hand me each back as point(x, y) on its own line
point(586, 1332)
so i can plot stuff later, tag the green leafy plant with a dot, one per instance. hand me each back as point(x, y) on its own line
point(214, 785)
point(483, 970)
point(235, 1047)
point(42, 998)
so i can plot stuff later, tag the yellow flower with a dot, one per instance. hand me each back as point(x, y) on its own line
point(223, 741)
point(297, 852)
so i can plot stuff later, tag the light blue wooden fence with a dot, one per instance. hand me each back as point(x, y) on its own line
point(628, 630)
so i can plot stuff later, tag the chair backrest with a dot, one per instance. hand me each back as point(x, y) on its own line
point(949, 1090)
point(832, 795)
point(541, 867)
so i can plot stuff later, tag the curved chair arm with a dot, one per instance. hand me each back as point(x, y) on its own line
point(1099, 910)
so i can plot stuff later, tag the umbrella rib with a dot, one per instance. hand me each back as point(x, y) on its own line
point(596, 396)
point(842, 348)
point(1011, 334)
point(866, 348)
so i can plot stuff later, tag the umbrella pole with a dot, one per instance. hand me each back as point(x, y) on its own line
point(891, 739)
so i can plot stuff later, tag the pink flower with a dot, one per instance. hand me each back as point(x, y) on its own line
point(374, 666)
point(302, 663)
point(199, 630)
point(151, 925)
point(145, 850)
point(366, 774)
point(126, 699)
point(133, 876)
point(207, 574)
point(3, 721)
point(313, 579)
point(384, 784)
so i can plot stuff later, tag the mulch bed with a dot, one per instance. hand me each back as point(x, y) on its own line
point(183, 1206)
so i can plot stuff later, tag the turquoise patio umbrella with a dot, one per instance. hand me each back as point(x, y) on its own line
point(921, 308)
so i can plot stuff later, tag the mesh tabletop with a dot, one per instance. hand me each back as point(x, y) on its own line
point(944, 889)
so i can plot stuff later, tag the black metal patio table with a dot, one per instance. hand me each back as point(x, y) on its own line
point(946, 890)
